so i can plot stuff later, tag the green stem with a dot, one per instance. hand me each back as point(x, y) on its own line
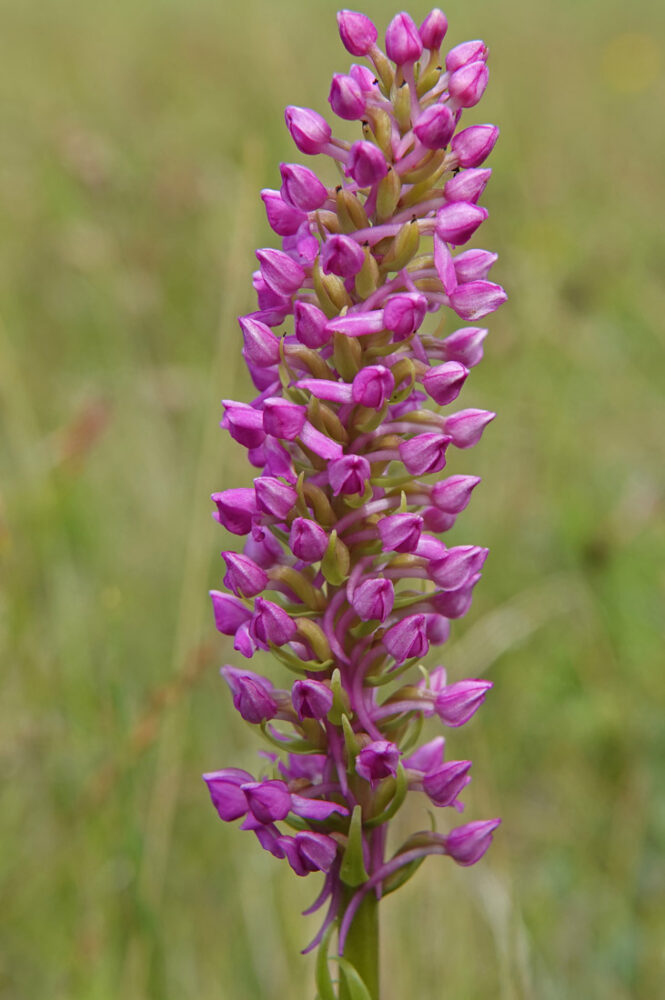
point(362, 946)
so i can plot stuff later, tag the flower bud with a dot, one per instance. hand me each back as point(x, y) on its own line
point(366, 163)
point(477, 299)
point(301, 187)
point(467, 426)
point(364, 78)
point(264, 551)
point(310, 325)
point(270, 623)
point(427, 757)
point(444, 783)
point(435, 126)
point(403, 43)
point(229, 612)
point(455, 603)
point(273, 306)
point(310, 132)
point(452, 495)
point(457, 566)
point(467, 844)
point(308, 540)
point(467, 185)
point(243, 576)
point(457, 221)
point(437, 629)
point(433, 29)
point(457, 703)
point(443, 384)
point(235, 509)
point(349, 474)
point(378, 760)
point(424, 453)
point(357, 32)
point(373, 600)
point(373, 386)
point(467, 84)
point(244, 423)
point(283, 219)
point(473, 145)
point(474, 265)
point(251, 694)
point(309, 852)
point(342, 256)
point(400, 532)
point(227, 797)
point(279, 271)
point(311, 699)
point(274, 497)
point(465, 346)
point(437, 520)
point(406, 639)
point(467, 52)
point(261, 345)
point(269, 801)
point(403, 314)
point(346, 98)
point(282, 418)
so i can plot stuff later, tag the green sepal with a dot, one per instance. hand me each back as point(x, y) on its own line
point(364, 629)
point(290, 746)
point(353, 872)
point(350, 741)
point(296, 665)
point(401, 876)
point(413, 737)
point(401, 788)
point(347, 355)
point(340, 699)
point(355, 985)
point(392, 674)
point(336, 561)
point(322, 977)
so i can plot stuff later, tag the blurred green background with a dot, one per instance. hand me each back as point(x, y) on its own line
point(135, 139)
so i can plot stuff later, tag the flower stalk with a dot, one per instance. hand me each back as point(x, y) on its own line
point(344, 577)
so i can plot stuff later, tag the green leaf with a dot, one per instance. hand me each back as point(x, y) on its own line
point(401, 876)
point(322, 973)
point(401, 788)
point(353, 871)
point(354, 984)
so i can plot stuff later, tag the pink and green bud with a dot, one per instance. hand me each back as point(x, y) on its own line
point(310, 132)
point(377, 760)
point(473, 145)
point(457, 566)
point(443, 784)
point(274, 497)
point(357, 32)
point(226, 794)
point(261, 346)
point(236, 509)
point(349, 475)
point(311, 699)
point(466, 427)
point(301, 187)
point(346, 98)
point(465, 346)
point(465, 53)
point(271, 624)
point(373, 600)
point(452, 495)
point(467, 844)
point(283, 419)
point(366, 164)
point(244, 423)
point(243, 576)
point(309, 852)
point(468, 83)
point(433, 29)
point(404, 314)
point(435, 126)
point(342, 256)
point(407, 639)
point(444, 383)
point(283, 219)
point(310, 325)
point(457, 703)
point(467, 185)
point(252, 695)
point(427, 757)
point(373, 386)
point(400, 532)
point(268, 801)
point(280, 272)
point(229, 612)
point(425, 453)
point(477, 299)
point(457, 221)
point(474, 265)
point(403, 42)
point(308, 540)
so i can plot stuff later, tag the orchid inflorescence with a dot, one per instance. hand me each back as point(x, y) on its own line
point(343, 519)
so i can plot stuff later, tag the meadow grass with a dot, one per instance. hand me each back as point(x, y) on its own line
point(136, 138)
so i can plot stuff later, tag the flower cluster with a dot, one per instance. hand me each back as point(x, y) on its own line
point(343, 576)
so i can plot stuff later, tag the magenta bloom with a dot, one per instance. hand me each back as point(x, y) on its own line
point(340, 568)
